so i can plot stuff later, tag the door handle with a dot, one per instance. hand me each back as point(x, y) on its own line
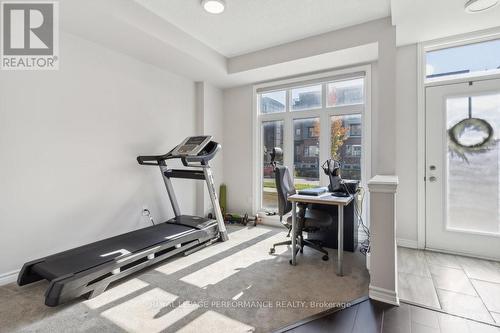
point(432, 179)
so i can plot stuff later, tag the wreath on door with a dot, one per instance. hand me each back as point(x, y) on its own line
point(470, 136)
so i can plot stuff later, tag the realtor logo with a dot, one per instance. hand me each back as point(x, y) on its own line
point(30, 36)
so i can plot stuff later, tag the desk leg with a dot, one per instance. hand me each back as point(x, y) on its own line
point(294, 227)
point(340, 259)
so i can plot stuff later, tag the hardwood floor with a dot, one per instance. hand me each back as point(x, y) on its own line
point(368, 316)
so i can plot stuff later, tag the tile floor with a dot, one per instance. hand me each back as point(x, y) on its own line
point(458, 285)
point(370, 316)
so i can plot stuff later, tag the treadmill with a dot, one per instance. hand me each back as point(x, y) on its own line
point(88, 270)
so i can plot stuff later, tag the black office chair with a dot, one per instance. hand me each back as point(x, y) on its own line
point(309, 219)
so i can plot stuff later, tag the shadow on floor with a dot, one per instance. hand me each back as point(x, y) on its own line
point(235, 286)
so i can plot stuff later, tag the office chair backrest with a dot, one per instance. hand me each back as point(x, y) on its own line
point(285, 188)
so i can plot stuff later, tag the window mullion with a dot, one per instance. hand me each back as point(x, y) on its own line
point(324, 145)
point(288, 143)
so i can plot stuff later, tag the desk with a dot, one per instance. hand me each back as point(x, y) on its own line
point(324, 199)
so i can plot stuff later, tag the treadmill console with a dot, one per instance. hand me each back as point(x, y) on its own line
point(194, 149)
point(192, 146)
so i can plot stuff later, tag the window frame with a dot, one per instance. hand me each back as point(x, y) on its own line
point(451, 42)
point(289, 107)
point(324, 113)
point(336, 106)
point(287, 102)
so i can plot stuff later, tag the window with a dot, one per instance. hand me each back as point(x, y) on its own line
point(312, 132)
point(346, 148)
point(311, 128)
point(355, 130)
point(306, 98)
point(306, 161)
point(353, 151)
point(345, 92)
point(477, 58)
point(313, 151)
point(273, 102)
point(272, 136)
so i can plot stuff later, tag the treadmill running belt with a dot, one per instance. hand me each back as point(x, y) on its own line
point(91, 255)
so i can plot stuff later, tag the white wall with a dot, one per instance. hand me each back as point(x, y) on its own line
point(406, 144)
point(210, 121)
point(238, 167)
point(68, 143)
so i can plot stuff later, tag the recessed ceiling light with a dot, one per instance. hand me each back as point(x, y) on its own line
point(476, 6)
point(213, 6)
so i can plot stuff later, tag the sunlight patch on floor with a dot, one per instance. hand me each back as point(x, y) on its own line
point(222, 269)
point(152, 311)
point(116, 293)
point(235, 239)
point(211, 321)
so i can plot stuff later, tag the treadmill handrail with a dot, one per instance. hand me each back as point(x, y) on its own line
point(157, 159)
point(187, 160)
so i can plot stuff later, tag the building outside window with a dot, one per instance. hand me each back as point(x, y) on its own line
point(355, 130)
point(305, 115)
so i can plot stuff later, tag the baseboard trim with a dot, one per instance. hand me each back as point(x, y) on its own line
point(8, 277)
point(412, 244)
point(463, 254)
point(383, 295)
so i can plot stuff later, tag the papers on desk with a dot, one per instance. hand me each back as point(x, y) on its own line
point(317, 191)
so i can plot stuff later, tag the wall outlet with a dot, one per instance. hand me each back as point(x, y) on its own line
point(146, 213)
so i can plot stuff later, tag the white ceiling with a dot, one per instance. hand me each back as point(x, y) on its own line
point(180, 37)
point(250, 25)
point(424, 20)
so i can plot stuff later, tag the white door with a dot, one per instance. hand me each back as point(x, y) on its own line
point(463, 168)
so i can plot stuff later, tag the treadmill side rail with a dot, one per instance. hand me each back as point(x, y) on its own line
point(94, 281)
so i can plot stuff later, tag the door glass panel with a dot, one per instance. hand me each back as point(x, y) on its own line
point(306, 152)
point(473, 162)
point(272, 132)
point(345, 144)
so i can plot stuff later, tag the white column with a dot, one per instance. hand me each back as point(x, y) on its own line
point(383, 257)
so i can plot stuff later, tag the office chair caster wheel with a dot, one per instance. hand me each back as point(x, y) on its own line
point(272, 250)
point(325, 258)
point(290, 262)
point(301, 250)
